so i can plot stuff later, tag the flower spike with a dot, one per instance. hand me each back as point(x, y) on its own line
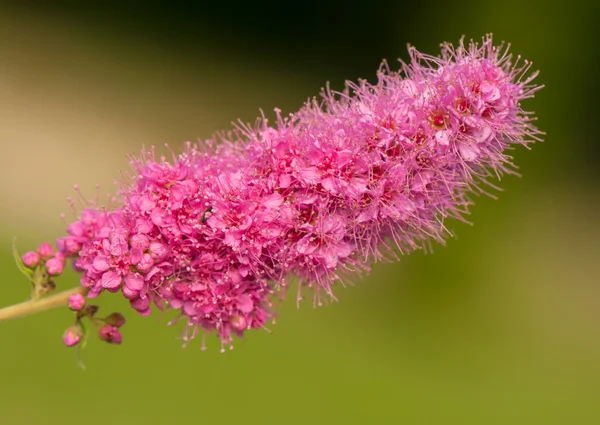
point(353, 176)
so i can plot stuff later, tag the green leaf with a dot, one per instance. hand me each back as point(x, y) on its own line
point(19, 262)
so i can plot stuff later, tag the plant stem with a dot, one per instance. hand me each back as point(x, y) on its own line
point(40, 304)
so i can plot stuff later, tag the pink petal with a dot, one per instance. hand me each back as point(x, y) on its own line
point(284, 181)
point(140, 304)
point(468, 152)
point(134, 282)
point(101, 263)
point(482, 134)
point(146, 204)
point(176, 304)
point(442, 138)
point(111, 280)
point(130, 293)
point(158, 251)
point(245, 304)
point(272, 201)
point(143, 226)
point(309, 174)
point(329, 184)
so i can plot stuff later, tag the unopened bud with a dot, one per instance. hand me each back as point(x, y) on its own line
point(76, 302)
point(116, 319)
point(31, 259)
point(45, 250)
point(55, 265)
point(72, 336)
point(238, 323)
point(110, 334)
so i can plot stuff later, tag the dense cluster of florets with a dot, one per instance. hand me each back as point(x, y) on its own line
point(219, 230)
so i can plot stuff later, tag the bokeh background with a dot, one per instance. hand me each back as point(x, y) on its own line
point(500, 326)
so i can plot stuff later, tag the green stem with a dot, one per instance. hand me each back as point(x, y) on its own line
point(40, 304)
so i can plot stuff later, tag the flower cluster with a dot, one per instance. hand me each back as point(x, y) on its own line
point(108, 327)
point(217, 232)
point(41, 266)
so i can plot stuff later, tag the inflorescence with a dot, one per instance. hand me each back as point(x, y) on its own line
point(217, 233)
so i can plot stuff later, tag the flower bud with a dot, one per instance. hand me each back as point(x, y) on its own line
point(72, 336)
point(31, 259)
point(76, 302)
point(110, 334)
point(116, 319)
point(69, 245)
point(45, 250)
point(238, 323)
point(56, 265)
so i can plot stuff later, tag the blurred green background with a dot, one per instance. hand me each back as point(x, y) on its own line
point(500, 326)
